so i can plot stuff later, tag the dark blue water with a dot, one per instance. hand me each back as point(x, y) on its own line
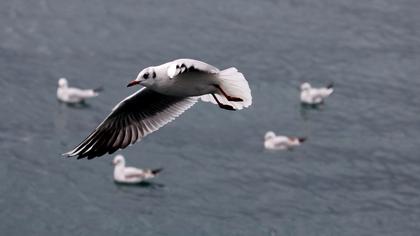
point(358, 174)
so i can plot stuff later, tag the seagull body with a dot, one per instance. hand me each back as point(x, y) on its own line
point(274, 142)
point(170, 89)
point(131, 175)
point(313, 96)
point(190, 80)
point(73, 95)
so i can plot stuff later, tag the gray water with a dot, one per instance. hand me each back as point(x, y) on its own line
point(358, 173)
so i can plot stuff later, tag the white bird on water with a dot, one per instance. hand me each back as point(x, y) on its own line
point(74, 95)
point(171, 89)
point(313, 96)
point(131, 175)
point(273, 142)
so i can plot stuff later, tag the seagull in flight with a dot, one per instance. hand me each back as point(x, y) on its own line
point(170, 89)
point(73, 95)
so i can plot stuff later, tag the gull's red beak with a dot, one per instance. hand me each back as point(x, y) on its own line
point(132, 83)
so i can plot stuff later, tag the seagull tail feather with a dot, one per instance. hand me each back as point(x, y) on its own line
point(233, 84)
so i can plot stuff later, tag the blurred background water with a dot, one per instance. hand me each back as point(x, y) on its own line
point(358, 174)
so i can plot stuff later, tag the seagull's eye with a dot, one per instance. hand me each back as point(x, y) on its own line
point(146, 76)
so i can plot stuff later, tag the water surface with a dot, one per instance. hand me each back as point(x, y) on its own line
point(358, 173)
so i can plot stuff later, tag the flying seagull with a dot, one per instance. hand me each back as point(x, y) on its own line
point(170, 89)
point(73, 95)
point(131, 175)
point(313, 96)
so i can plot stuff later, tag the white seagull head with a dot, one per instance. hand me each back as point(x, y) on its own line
point(269, 135)
point(118, 160)
point(305, 86)
point(146, 77)
point(62, 83)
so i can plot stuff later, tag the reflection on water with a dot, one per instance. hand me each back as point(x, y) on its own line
point(144, 184)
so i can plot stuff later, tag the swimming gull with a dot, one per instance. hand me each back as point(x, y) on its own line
point(131, 175)
point(313, 96)
point(273, 142)
point(73, 95)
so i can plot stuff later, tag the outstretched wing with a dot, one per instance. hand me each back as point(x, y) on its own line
point(132, 119)
point(181, 66)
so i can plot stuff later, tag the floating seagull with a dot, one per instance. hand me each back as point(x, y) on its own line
point(74, 95)
point(171, 89)
point(274, 142)
point(313, 96)
point(131, 175)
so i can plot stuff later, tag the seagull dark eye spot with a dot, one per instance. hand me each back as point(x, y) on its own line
point(146, 76)
point(154, 74)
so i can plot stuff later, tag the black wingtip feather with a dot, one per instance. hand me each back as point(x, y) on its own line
point(330, 85)
point(302, 139)
point(98, 89)
point(157, 171)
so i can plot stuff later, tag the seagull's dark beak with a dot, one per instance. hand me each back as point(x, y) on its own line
point(132, 83)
